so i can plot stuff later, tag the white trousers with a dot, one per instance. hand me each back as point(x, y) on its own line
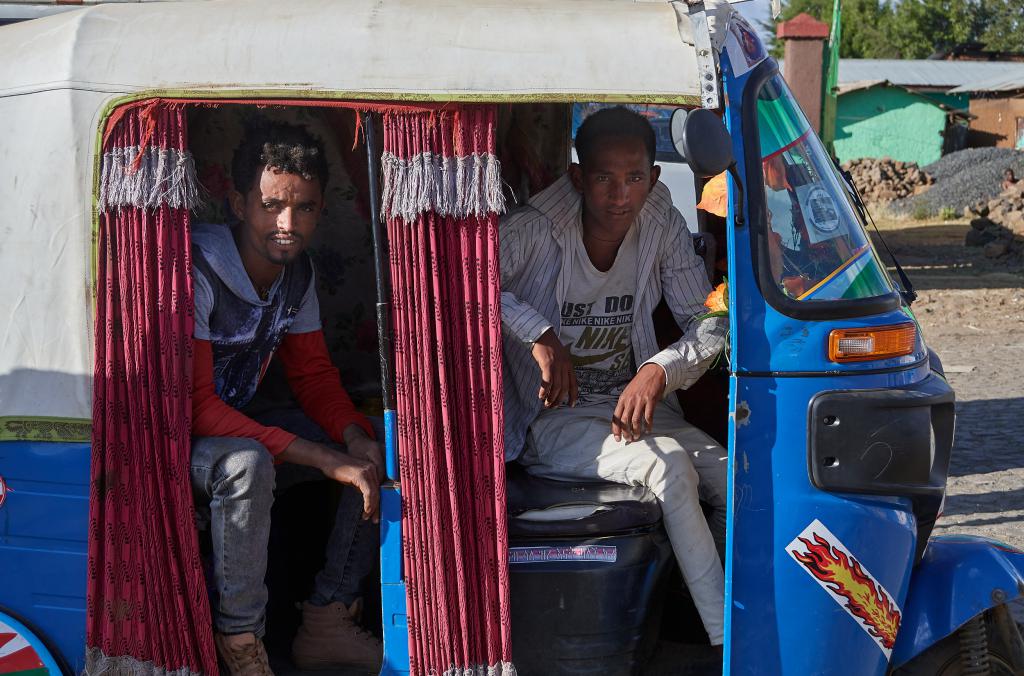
point(676, 461)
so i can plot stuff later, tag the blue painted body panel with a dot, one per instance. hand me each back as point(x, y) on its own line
point(396, 631)
point(777, 609)
point(780, 620)
point(43, 534)
point(959, 577)
point(391, 444)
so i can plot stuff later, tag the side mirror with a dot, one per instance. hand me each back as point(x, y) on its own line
point(703, 141)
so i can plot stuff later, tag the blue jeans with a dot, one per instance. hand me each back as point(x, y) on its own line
point(233, 483)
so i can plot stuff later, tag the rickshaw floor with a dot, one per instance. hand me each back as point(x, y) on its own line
point(282, 666)
point(683, 659)
point(670, 659)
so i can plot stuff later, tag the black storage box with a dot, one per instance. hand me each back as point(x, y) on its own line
point(586, 564)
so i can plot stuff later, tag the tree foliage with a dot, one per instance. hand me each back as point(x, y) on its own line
point(1003, 25)
point(916, 29)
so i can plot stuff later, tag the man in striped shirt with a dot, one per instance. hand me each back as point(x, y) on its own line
point(582, 267)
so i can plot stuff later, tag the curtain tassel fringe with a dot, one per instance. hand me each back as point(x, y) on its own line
point(159, 176)
point(458, 187)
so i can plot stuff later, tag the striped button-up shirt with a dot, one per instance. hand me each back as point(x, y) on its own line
point(536, 269)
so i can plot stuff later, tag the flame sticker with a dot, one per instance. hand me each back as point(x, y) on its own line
point(830, 563)
point(3, 491)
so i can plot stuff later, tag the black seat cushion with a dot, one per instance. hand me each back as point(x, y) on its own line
point(546, 508)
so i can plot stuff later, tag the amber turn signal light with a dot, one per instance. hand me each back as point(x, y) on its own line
point(877, 342)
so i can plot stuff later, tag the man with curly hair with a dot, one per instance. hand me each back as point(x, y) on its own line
point(255, 297)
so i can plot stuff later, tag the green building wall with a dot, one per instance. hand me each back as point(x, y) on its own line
point(959, 101)
point(889, 122)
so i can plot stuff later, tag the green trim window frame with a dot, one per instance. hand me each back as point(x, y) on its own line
point(814, 257)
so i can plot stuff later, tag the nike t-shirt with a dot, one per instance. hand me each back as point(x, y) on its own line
point(597, 321)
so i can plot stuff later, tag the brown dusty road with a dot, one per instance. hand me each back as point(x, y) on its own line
point(971, 310)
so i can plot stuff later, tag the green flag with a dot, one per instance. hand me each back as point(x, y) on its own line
point(830, 79)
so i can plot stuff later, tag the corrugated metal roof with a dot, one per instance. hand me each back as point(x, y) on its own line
point(928, 73)
point(847, 87)
point(1008, 82)
point(857, 85)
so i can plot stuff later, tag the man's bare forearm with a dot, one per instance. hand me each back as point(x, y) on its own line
point(309, 453)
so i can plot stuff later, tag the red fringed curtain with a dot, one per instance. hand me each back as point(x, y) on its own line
point(442, 193)
point(148, 612)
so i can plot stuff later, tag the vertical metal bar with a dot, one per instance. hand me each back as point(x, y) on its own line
point(707, 57)
point(380, 261)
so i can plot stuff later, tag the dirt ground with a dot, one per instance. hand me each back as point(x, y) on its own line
point(971, 311)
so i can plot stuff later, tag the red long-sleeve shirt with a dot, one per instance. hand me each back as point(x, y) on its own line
point(313, 379)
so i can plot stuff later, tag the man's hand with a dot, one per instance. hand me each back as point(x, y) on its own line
point(557, 377)
point(634, 412)
point(357, 472)
point(341, 467)
point(363, 447)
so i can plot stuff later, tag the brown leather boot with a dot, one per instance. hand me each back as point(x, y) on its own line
point(243, 654)
point(329, 638)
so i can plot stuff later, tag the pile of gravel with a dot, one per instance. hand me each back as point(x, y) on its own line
point(962, 179)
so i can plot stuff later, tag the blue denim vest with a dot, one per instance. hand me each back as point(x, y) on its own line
point(244, 336)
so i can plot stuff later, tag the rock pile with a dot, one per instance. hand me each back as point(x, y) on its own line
point(884, 180)
point(961, 180)
point(998, 224)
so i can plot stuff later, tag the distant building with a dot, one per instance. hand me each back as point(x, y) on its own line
point(976, 51)
point(881, 119)
point(997, 105)
point(918, 110)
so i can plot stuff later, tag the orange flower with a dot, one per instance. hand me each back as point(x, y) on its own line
point(718, 299)
point(714, 199)
point(775, 173)
point(795, 286)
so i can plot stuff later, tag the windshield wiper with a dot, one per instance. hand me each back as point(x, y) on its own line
point(908, 293)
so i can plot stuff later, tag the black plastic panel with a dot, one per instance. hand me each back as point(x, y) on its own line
point(585, 618)
point(882, 442)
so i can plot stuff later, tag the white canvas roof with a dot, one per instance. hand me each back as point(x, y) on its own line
point(59, 73)
point(443, 47)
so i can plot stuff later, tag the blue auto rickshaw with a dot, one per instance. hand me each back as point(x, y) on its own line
point(838, 419)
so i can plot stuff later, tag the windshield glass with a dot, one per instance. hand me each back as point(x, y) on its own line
point(818, 249)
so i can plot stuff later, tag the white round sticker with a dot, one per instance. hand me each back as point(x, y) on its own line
point(821, 210)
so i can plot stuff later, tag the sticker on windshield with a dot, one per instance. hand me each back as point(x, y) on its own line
point(744, 47)
point(837, 570)
point(819, 211)
point(603, 554)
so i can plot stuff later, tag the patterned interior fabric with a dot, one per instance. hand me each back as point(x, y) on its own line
point(447, 341)
point(533, 144)
point(147, 612)
point(342, 249)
